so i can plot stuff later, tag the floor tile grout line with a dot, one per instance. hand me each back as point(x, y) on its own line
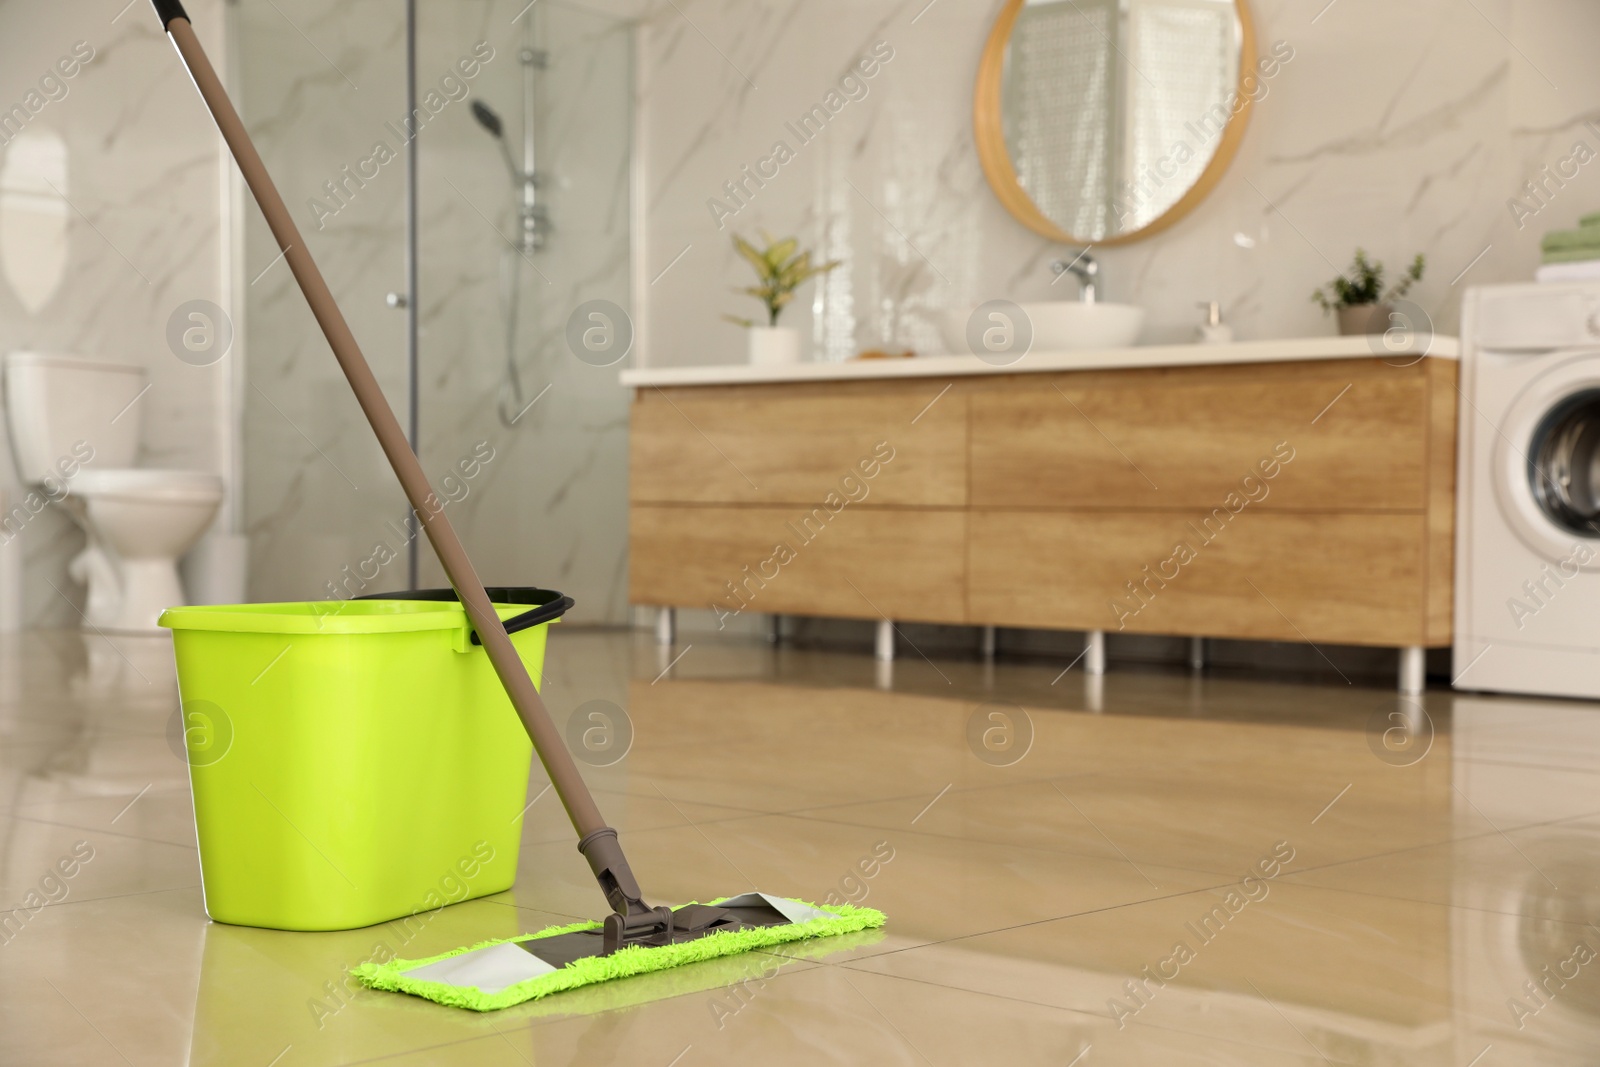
point(1438, 842)
point(79, 1011)
point(91, 798)
point(992, 995)
point(1048, 919)
point(1150, 900)
point(959, 790)
point(1525, 766)
point(806, 812)
point(921, 833)
point(567, 837)
point(1036, 849)
point(899, 1032)
point(69, 901)
point(1041, 850)
point(97, 830)
point(532, 1022)
point(1449, 905)
point(853, 965)
point(955, 790)
point(1054, 918)
point(1194, 870)
point(870, 826)
point(1031, 848)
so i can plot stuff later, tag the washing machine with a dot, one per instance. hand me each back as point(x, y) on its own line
point(1527, 596)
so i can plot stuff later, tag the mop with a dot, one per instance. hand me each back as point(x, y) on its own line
point(635, 938)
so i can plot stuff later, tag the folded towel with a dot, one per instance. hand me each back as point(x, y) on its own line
point(1577, 254)
point(1585, 237)
point(1590, 220)
point(1583, 270)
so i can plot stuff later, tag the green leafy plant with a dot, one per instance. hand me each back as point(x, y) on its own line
point(1363, 284)
point(780, 269)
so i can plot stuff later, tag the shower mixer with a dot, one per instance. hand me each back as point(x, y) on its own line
point(533, 221)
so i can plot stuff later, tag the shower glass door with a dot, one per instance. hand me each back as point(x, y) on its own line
point(506, 264)
point(524, 441)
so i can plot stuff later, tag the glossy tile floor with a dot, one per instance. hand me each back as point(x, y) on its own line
point(1063, 861)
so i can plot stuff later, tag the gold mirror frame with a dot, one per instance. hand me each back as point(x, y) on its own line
point(989, 134)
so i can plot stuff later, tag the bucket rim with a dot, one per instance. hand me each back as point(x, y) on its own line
point(325, 616)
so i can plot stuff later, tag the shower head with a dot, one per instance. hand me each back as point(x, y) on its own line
point(490, 120)
point(487, 118)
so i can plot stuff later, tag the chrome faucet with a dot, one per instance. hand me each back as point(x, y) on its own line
point(1085, 268)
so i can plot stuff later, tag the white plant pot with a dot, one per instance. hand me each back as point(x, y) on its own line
point(774, 346)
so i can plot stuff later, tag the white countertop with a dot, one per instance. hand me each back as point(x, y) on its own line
point(945, 366)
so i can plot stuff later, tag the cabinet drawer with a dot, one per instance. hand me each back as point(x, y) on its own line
point(758, 445)
point(1341, 578)
point(1187, 438)
point(861, 563)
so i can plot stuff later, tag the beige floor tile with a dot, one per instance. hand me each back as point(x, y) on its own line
point(1029, 814)
point(1501, 796)
point(1423, 893)
point(545, 822)
point(103, 862)
point(1361, 980)
point(830, 1015)
point(160, 813)
point(1527, 730)
point(1179, 820)
point(932, 887)
point(785, 747)
point(1538, 872)
point(151, 979)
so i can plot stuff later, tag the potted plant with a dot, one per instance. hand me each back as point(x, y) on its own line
point(780, 270)
point(1360, 298)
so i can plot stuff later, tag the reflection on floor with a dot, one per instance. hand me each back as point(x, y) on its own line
point(1139, 869)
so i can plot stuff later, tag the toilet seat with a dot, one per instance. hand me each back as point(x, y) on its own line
point(148, 484)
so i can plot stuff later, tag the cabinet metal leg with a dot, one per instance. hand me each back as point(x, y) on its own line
point(883, 647)
point(987, 642)
point(1413, 669)
point(883, 674)
point(1094, 693)
point(774, 629)
point(1094, 660)
point(1197, 653)
point(666, 625)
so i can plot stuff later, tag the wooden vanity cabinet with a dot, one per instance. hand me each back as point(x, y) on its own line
point(1300, 501)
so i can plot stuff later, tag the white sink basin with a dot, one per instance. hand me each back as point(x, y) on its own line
point(1059, 326)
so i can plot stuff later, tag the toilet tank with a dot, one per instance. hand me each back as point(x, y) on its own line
point(55, 404)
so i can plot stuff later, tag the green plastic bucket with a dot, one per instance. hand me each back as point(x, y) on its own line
point(352, 761)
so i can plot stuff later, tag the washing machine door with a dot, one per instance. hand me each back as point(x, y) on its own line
point(1547, 462)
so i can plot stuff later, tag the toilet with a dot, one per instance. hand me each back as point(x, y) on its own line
point(74, 426)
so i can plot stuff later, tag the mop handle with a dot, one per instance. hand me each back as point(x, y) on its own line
point(558, 764)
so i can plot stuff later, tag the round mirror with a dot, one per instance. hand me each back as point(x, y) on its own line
point(1103, 121)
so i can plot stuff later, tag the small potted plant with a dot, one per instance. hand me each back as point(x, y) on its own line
point(780, 270)
point(1360, 298)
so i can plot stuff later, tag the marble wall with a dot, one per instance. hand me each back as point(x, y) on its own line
point(1399, 125)
point(96, 255)
point(545, 503)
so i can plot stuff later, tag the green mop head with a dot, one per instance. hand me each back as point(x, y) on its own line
point(498, 974)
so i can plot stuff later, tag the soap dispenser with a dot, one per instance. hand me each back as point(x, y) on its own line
point(1213, 331)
